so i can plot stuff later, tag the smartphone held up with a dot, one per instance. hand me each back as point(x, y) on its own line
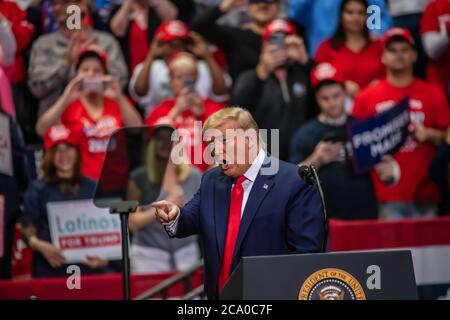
point(92, 85)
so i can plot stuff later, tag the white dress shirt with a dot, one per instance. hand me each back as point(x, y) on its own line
point(247, 185)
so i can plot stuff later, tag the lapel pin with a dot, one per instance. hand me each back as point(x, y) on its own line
point(266, 187)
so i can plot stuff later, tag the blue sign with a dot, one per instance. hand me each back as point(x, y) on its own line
point(378, 136)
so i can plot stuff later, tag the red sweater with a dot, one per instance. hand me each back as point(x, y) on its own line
point(361, 67)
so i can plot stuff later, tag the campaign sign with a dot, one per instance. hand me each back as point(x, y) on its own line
point(80, 229)
point(378, 136)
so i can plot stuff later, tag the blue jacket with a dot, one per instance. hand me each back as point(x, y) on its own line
point(282, 216)
point(320, 19)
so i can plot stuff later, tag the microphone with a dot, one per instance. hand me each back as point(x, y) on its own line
point(309, 175)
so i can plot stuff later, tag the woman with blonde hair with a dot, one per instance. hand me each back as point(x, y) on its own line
point(152, 250)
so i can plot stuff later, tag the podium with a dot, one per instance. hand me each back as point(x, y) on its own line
point(362, 275)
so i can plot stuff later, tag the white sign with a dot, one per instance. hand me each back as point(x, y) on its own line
point(2, 221)
point(5, 147)
point(80, 229)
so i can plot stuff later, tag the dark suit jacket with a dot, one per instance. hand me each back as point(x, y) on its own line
point(282, 216)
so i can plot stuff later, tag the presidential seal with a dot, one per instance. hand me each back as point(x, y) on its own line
point(331, 284)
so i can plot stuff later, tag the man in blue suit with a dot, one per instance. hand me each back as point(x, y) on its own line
point(252, 204)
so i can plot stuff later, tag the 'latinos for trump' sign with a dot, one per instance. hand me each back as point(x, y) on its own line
point(80, 229)
point(380, 135)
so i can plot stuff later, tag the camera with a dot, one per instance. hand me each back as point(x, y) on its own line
point(92, 85)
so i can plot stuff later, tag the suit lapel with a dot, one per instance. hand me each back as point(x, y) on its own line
point(222, 194)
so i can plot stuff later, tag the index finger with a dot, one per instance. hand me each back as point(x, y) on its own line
point(79, 77)
point(109, 78)
point(160, 205)
point(294, 39)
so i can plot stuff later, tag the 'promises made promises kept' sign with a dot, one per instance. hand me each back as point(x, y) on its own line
point(380, 135)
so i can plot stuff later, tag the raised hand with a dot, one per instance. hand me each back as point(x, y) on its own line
point(296, 49)
point(271, 58)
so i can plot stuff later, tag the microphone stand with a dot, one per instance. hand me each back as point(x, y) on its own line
point(324, 209)
point(124, 209)
point(310, 176)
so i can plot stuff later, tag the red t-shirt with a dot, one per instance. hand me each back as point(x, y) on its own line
point(138, 45)
point(361, 67)
point(186, 121)
point(438, 71)
point(94, 134)
point(429, 108)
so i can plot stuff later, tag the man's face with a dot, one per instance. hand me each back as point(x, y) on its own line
point(399, 56)
point(230, 151)
point(263, 13)
point(331, 100)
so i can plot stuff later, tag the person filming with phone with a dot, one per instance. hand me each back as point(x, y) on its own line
point(186, 106)
point(277, 92)
point(94, 104)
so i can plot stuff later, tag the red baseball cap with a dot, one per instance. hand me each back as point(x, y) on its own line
point(93, 50)
point(172, 30)
point(325, 72)
point(59, 134)
point(398, 32)
point(278, 25)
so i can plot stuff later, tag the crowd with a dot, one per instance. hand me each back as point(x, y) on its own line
point(308, 68)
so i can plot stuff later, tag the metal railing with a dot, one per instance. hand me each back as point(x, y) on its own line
point(198, 292)
point(163, 287)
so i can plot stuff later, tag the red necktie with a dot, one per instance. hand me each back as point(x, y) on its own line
point(234, 219)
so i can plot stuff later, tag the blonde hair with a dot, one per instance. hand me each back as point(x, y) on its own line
point(183, 61)
point(154, 175)
point(241, 116)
